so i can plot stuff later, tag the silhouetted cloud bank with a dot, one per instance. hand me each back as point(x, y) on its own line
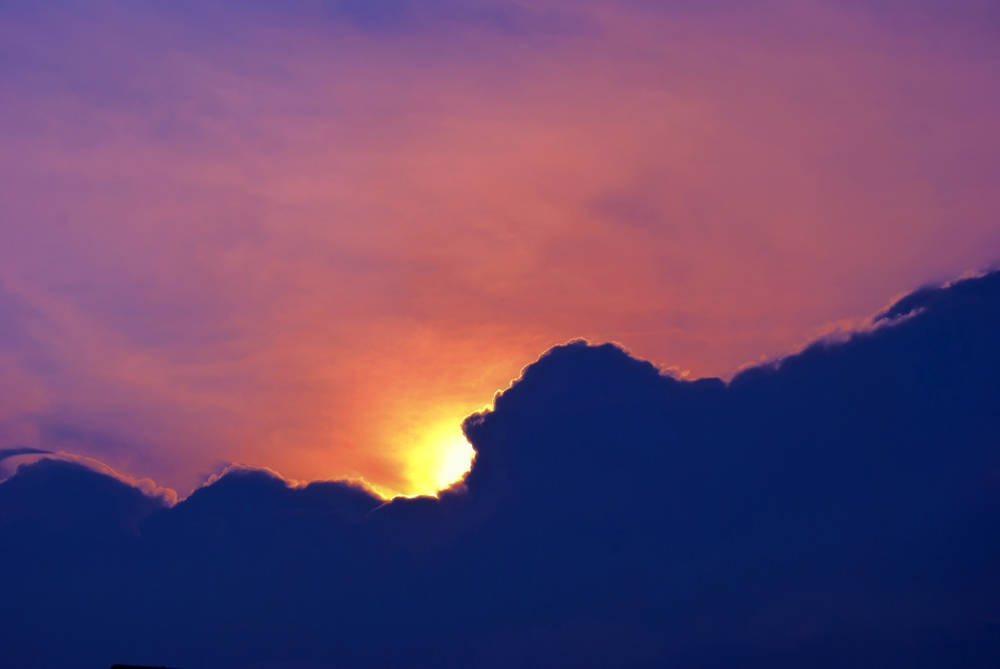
point(838, 509)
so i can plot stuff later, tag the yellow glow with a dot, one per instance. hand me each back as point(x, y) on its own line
point(437, 457)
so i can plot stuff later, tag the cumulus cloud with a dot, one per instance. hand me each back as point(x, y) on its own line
point(836, 510)
point(17, 455)
point(147, 486)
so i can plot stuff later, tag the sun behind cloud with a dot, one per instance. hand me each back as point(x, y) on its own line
point(438, 457)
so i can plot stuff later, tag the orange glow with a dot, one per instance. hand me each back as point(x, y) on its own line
point(316, 248)
point(434, 457)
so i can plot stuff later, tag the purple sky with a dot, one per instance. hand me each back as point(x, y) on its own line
point(313, 236)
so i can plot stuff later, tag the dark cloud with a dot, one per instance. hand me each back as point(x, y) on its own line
point(13, 452)
point(50, 497)
point(839, 508)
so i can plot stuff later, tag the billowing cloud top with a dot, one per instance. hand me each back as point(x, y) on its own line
point(837, 508)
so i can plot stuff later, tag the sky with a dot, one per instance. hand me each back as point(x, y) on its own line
point(314, 236)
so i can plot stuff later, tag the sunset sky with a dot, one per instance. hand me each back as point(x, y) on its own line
point(314, 235)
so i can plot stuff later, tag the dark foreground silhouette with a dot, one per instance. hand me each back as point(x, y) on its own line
point(841, 509)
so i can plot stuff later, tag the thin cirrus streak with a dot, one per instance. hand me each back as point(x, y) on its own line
point(314, 237)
